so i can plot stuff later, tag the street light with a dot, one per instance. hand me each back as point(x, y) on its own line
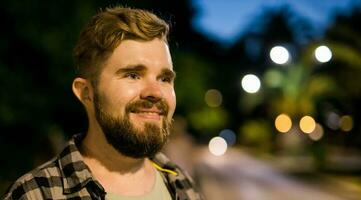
point(283, 123)
point(307, 124)
point(251, 83)
point(323, 54)
point(279, 55)
point(217, 146)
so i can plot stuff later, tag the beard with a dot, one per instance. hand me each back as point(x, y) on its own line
point(128, 140)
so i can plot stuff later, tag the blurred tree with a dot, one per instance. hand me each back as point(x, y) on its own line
point(251, 55)
point(305, 87)
point(344, 38)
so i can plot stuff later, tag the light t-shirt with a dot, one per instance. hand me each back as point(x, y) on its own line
point(159, 192)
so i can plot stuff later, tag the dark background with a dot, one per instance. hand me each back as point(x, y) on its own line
point(38, 111)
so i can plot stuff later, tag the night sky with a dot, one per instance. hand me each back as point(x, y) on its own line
point(224, 21)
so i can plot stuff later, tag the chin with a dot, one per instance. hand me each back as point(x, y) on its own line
point(140, 125)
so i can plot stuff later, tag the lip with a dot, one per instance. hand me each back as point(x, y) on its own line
point(153, 110)
point(148, 115)
point(151, 114)
point(149, 110)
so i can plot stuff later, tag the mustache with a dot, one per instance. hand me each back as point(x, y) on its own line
point(135, 106)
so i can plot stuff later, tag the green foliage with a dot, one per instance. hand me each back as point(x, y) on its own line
point(299, 90)
point(191, 82)
point(208, 120)
point(249, 102)
point(193, 72)
point(256, 133)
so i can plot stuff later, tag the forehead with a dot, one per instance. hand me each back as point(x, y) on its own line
point(154, 53)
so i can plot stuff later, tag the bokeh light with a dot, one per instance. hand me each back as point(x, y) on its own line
point(346, 123)
point(229, 136)
point(323, 54)
point(279, 55)
point(283, 123)
point(307, 124)
point(251, 83)
point(316, 134)
point(217, 146)
point(213, 98)
point(333, 120)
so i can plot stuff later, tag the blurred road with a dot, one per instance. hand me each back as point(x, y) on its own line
point(240, 176)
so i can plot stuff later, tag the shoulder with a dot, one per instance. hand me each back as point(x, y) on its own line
point(166, 165)
point(34, 184)
point(180, 183)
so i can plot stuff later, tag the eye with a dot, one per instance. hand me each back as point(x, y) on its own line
point(132, 75)
point(166, 79)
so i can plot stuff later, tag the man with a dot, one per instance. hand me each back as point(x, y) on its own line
point(125, 82)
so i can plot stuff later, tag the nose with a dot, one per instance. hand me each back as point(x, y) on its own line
point(152, 92)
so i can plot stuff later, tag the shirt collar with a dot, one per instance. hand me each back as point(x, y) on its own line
point(75, 173)
point(163, 164)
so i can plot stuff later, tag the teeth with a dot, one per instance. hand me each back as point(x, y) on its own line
point(149, 113)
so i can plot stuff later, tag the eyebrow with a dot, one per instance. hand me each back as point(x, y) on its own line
point(168, 72)
point(141, 68)
point(131, 68)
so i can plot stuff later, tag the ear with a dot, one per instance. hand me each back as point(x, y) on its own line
point(82, 90)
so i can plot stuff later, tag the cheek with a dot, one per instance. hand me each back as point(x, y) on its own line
point(121, 96)
point(172, 101)
point(128, 92)
point(174, 98)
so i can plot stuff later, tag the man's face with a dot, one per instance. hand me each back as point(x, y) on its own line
point(134, 100)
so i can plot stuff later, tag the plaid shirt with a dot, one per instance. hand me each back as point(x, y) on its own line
point(68, 177)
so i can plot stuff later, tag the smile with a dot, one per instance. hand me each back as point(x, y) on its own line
point(147, 114)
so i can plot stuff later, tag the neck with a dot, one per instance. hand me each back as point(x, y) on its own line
point(117, 173)
point(97, 151)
